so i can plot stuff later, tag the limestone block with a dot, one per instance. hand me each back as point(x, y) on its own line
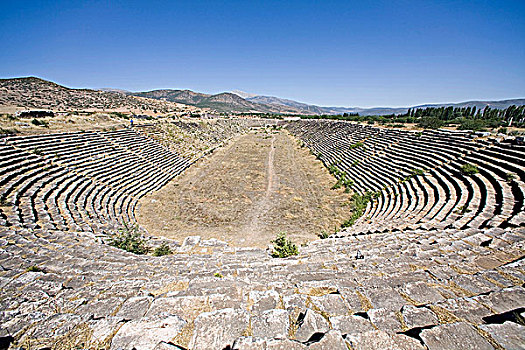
point(310, 323)
point(271, 324)
point(454, 336)
point(147, 332)
point(418, 317)
point(510, 335)
point(218, 329)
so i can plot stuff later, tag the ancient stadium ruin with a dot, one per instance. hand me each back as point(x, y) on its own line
point(431, 256)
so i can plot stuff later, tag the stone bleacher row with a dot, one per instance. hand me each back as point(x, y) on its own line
point(86, 181)
point(209, 133)
point(440, 198)
point(449, 289)
point(461, 287)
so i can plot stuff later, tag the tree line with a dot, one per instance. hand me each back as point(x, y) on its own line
point(465, 118)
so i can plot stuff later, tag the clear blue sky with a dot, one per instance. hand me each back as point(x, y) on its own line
point(332, 53)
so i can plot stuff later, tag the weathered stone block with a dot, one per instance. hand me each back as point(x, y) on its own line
point(218, 329)
point(147, 332)
point(454, 336)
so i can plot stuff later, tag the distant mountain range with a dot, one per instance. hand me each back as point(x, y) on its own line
point(313, 109)
point(38, 93)
point(239, 101)
point(223, 102)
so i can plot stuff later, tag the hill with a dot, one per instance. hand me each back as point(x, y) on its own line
point(32, 92)
point(223, 102)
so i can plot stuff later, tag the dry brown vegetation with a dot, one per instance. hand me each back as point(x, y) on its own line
point(248, 191)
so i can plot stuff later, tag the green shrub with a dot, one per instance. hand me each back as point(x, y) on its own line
point(283, 247)
point(40, 123)
point(357, 145)
point(509, 177)
point(324, 235)
point(37, 151)
point(34, 268)
point(462, 210)
point(417, 172)
point(469, 169)
point(343, 179)
point(358, 205)
point(218, 275)
point(163, 249)
point(129, 239)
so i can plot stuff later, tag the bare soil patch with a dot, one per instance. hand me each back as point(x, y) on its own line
point(259, 184)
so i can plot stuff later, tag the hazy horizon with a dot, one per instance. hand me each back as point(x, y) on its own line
point(364, 54)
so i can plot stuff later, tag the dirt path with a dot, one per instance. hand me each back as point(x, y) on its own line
point(259, 210)
point(270, 172)
point(245, 193)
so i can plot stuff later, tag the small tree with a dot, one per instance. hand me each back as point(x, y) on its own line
point(416, 172)
point(163, 249)
point(129, 239)
point(469, 169)
point(283, 247)
point(323, 234)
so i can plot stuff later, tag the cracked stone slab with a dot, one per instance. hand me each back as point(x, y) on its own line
point(384, 297)
point(271, 324)
point(249, 343)
point(309, 324)
point(264, 300)
point(351, 324)
point(454, 336)
point(134, 308)
point(331, 304)
point(100, 308)
point(187, 307)
point(509, 334)
point(422, 293)
point(418, 316)
point(504, 300)
point(474, 283)
point(385, 319)
point(379, 339)
point(103, 329)
point(218, 329)
point(332, 340)
point(465, 308)
point(147, 332)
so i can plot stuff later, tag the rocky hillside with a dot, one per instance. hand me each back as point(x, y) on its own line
point(34, 92)
point(223, 102)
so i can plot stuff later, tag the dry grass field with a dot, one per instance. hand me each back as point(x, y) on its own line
point(259, 184)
